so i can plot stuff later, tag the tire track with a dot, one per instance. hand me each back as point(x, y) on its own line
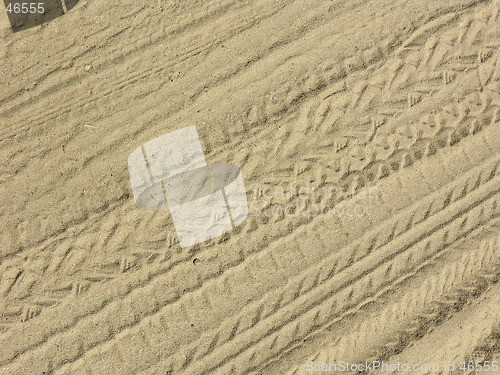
point(484, 178)
point(114, 147)
point(429, 305)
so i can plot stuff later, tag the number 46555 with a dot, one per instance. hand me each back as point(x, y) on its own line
point(25, 8)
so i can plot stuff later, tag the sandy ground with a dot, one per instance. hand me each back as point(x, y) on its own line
point(394, 105)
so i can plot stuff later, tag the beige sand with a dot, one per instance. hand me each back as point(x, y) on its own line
point(400, 97)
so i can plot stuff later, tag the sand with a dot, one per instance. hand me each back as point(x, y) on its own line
point(368, 137)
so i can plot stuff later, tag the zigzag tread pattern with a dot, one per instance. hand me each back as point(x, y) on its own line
point(136, 262)
point(470, 185)
point(420, 310)
point(305, 285)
